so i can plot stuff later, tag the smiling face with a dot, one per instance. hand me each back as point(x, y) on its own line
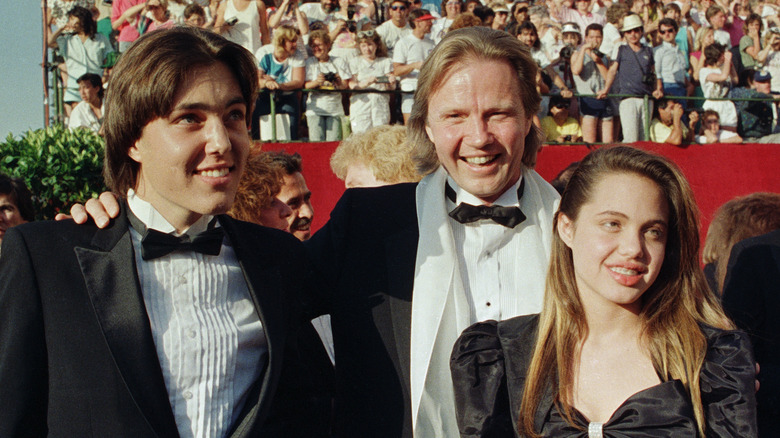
point(527, 37)
point(190, 160)
point(297, 196)
point(618, 240)
point(478, 126)
point(319, 49)
point(368, 49)
point(452, 8)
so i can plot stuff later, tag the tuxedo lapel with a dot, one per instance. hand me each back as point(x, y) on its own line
point(400, 251)
point(261, 276)
point(112, 285)
point(440, 311)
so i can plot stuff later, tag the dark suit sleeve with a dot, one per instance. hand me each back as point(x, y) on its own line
point(325, 251)
point(23, 371)
point(750, 276)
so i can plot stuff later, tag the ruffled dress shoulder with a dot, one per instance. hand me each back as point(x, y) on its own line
point(489, 363)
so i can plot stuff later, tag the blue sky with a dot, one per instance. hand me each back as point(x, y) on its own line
point(21, 89)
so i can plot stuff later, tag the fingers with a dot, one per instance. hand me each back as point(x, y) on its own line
point(62, 217)
point(110, 203)
point(79, 214)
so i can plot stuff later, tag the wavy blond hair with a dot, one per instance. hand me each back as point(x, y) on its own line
point(672, 308)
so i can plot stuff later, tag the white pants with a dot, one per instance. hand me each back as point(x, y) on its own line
point(632, 118)
point(368, 110)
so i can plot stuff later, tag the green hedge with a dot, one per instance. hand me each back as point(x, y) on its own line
point(59, 166)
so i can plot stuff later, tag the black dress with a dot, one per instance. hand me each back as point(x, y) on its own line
point(489, 364)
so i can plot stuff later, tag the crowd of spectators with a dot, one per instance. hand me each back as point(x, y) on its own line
point(610, 62)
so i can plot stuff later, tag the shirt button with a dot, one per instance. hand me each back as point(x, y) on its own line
point(191, 333)
point(187, 395)
point(488, 304)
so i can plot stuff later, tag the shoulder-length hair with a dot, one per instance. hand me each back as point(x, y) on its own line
point(84, 16)
point(672, 307)
point(738, 219)
point(145, 82)
point(479, 44)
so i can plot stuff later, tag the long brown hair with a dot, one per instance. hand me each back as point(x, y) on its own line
point(145, 82)
point(673, 307)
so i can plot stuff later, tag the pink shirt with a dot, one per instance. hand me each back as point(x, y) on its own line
point(127, 30)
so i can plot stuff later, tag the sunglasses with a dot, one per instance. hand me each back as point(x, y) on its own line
point(398, 8)
point(665, 31)
point(561, 105)
point(635, 30)
point(366, 34)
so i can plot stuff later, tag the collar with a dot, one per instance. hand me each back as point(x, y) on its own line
point(668, 44)
point(507, 199)
point(150, 217)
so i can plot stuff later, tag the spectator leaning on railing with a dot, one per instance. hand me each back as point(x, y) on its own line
point(83, 48)
point(281, 70)
point(634, 73)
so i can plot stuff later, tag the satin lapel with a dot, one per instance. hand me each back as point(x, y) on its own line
point(434, 280)
point(400, 250)
point(112, 284)
point(265, 287)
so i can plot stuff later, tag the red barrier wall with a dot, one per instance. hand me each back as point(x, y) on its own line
point(717, 172)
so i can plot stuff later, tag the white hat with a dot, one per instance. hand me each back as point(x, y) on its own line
point(571, 28)
point(631, 22)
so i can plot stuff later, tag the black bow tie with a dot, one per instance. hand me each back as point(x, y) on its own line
point(466, 213)
point(155, 244)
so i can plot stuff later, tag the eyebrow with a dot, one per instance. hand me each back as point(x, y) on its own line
point(202, 106)
point(623, 215)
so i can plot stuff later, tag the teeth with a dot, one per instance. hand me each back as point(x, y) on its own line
point(215, 173)
point(624, 271)
point(479, 160)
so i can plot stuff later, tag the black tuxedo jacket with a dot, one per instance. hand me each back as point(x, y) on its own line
point(751, 297)
point(366, 258)
point(77, 357)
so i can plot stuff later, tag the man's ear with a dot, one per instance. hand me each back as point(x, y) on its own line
point(134, 153)
point(429, 132)
point(565, 228)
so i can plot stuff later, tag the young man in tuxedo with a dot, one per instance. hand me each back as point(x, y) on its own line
point(172, 320)
point(403, 269)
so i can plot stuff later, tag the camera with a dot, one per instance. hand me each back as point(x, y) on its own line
point(567, 138)
point(566, 52)
point(649, 79)
point(382, 80)
point(231, 21)
point(331, 77)
point(598, 53)
point(351, 24)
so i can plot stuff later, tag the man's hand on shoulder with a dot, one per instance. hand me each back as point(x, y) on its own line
point(101, 209)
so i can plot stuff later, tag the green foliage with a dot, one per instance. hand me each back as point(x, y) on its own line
point(59, 166)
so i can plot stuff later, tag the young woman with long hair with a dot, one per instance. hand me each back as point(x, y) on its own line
point(630, 342)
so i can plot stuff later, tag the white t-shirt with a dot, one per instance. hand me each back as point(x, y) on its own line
point(390, 34)
point(411, 49)
point(325, 104)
